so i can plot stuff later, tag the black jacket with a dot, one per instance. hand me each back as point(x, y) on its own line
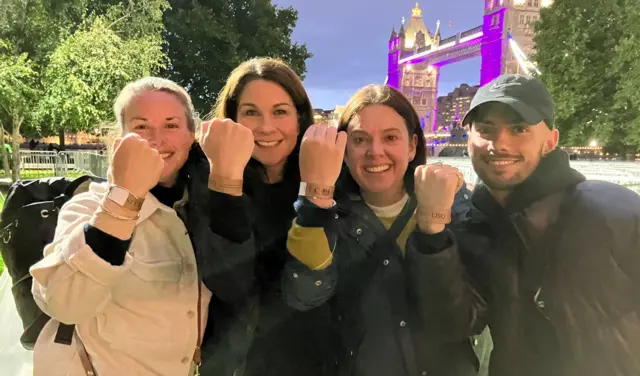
point(260, 335)
point(555, 274)
point(378, 331)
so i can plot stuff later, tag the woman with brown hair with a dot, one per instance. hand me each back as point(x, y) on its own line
point(350, 253)
point(263, 336)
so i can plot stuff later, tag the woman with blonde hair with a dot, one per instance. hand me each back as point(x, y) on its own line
point(134, 261)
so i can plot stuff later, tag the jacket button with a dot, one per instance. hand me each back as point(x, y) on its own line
point(336, 216)
point(540, 304)
point(359, 231)
point(423, 373)
point(295, 275)
point(403, 324)
point(385, 262)
point(185, 360)
point(318, 283)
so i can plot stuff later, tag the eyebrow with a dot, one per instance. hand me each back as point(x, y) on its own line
point(145, 119)
point(249, 104)
point(383, 131)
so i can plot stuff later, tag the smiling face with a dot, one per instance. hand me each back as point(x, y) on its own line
point(160, 118)
point(504, 150)
point(379, 149)
point(267, 109)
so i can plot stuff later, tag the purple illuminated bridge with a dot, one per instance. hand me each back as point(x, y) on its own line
point(416, 55)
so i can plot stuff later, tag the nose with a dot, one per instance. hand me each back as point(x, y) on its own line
point(267, 125)
point(375, 148)
point(154, 137)
point(500, 140)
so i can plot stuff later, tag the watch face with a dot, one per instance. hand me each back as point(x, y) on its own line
point(118, 195)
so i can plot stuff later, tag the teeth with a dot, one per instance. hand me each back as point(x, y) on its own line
point(165, 155)
point(378, 168)
point(502, 163)
point(267, 143)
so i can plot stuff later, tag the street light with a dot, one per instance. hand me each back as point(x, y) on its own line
point(593, 143)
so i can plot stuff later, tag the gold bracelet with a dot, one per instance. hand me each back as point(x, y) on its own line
point(118, 216)
point(224, 185)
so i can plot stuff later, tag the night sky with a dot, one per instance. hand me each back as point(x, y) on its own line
point(349, 41)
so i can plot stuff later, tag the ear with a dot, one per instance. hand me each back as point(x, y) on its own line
point(413, 146)
point(551, 143)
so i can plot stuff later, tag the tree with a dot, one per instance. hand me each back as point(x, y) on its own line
point(86, 72)
point(17, 94)
point(627, 66)
point(576, 42)
point(207, 39)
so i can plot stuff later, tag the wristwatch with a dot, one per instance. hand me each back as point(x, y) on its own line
point(124, 198)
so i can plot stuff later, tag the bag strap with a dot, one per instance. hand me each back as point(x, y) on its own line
point(84, 356)
point(381, 246)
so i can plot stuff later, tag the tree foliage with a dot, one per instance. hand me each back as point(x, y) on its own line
point(86, 72)
point(583, 49)
point(207, 39)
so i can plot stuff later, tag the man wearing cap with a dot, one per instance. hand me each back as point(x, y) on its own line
point(547, 259)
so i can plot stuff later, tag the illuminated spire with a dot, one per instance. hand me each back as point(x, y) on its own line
point(416, 12)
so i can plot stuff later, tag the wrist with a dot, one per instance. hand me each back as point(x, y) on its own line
point(323, 203)
point(430, 228)
point(114, 219)
point(229, 175)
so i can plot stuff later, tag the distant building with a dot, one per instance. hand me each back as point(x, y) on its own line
point(453, 107)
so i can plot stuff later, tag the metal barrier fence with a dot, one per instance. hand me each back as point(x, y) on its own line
point(39, 164)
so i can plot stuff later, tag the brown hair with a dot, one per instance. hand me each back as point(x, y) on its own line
point(274, 70)
point(143, 85)
point(390, 97)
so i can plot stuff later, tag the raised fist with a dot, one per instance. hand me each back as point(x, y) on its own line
point(135, 166)
point(321, 155)
point(436, 186)
point(228, 147)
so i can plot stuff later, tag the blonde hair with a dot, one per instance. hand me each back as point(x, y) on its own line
point(143, 85)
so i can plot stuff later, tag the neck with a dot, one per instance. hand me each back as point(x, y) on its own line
point(382, 199)
point(275, 174)
point(500, 195)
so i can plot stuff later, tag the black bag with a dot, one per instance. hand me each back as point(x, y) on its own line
point(28, 224)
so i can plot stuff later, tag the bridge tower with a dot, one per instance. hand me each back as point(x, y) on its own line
point(505, 19)
point(419, 81)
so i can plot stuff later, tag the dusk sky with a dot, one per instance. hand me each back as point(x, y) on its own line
point(349, 41)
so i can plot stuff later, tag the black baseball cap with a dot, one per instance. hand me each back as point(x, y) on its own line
point(525, 95)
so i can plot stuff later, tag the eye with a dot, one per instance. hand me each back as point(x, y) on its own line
point(519, 129)
point(358, 140)
point(280, 111)
point(392, 137)
point(140, 127)
point(250, 112)
point(172, 126)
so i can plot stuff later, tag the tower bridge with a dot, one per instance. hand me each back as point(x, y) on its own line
point(504, 41)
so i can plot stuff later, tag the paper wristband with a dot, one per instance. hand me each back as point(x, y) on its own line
point(436, 216)
point(224, 185)
point(316, 191)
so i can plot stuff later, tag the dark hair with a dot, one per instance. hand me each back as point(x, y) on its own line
point(276, 71)
point(390, 97)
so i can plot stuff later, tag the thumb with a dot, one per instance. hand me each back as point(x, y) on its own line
point(206, 125)
point(341, 142)
point(116, 144)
